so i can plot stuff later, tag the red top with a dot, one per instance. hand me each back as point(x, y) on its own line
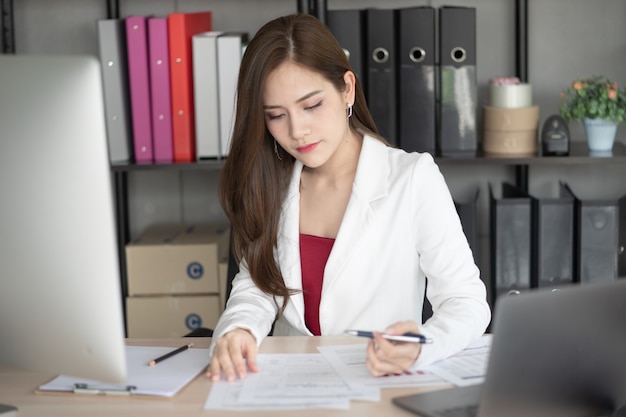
point(314, 252)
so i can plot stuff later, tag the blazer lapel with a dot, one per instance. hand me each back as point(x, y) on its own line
point(289, 240)
point(370, 184)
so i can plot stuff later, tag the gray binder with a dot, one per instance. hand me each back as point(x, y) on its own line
point(598, 236)
point(381, 46)
point(458, 85)
point(468, 214)
point(348, 26)
point(512, 257)
point(416, 92)
point(113, 59)
point(553, 239)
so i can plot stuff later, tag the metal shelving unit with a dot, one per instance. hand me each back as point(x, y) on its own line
point(578, 152)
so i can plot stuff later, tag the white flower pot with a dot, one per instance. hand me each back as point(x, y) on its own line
point(600, 134)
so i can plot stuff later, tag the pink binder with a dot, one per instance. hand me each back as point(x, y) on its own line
point(139, 82)
point(158, 45)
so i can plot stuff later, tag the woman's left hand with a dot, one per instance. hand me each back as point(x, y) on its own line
point(386, 357)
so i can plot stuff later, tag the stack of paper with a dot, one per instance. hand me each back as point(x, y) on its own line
point(334, 377)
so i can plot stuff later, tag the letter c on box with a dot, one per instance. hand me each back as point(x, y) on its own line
point(195, 270)
point(193, 321)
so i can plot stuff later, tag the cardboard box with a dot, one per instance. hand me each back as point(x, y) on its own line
point(177, 259)
point(170, 316)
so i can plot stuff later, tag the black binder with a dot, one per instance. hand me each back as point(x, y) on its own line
point(600, 235)
point(304, 6)
point(317, 8)
point(348, 28)
point(512, 258)
point(597, 239)
point(417, 100)
point(553, 239)
point(458, 85)
point(320, 10)
point(382, 67)
point(468, 214)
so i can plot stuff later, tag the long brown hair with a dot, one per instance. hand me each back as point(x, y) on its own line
point(254, 180)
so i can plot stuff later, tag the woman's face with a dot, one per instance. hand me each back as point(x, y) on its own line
point(305, 113)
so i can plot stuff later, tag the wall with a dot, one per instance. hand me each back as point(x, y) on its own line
point(567, 39)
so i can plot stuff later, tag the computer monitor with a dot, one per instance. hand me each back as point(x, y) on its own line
point(60, 297)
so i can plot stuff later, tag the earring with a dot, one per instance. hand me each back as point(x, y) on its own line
point(349, 110)
point(276, 151)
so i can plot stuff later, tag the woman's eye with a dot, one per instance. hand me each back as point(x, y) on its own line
point(274, 116)
point(316, 105)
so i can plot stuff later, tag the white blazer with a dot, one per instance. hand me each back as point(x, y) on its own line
point(399, 227)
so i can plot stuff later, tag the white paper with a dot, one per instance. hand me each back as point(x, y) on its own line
point(334, 377)
point(294, 377)
point(164, 379)
point(225, 396)
point(349, 362)
point(288, 382)
point(467, 367)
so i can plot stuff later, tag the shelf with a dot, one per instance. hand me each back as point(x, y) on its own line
point(204, 165)
point(579, 155)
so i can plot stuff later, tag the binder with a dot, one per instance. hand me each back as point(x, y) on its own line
point(599, 231)
point(113, 59)
point(319, 9)
point(229, 51)
point(348, 26)
point(160, 93)
point(382, 68)
point(417, 100)
point(182, 27)
point(206, 95)
point(598, 241)
point(468, 214)
point(458, 85)
point(512, 257)
point(303, 6)
point(553, 238)
point(139, 81)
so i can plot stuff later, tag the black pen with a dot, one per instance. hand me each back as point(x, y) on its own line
point(406, 337)
point(170, 354)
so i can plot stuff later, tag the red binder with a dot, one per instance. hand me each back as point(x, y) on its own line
point(181, 27)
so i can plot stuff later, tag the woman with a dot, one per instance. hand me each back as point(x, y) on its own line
point(333, 228)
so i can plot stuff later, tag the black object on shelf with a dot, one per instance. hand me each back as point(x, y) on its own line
point(555, 136)
point(303, 6)
point(521, 39)
point(8, 30)
point(600, 236)
point(554, 238)
point(457, 78)
point(512, 256)
point(113, 9)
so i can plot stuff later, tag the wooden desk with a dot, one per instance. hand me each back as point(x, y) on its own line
point(17, 388)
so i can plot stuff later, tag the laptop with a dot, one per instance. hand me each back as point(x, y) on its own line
point(554, 353)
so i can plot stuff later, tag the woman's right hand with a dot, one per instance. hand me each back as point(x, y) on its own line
point(234, 354)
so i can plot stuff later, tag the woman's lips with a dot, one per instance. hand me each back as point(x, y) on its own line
point(307, 148)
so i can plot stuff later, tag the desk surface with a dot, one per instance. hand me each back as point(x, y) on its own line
point(17, 388)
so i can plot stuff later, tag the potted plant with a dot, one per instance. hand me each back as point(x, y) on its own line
point(600, 105)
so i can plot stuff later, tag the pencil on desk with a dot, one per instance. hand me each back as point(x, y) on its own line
point(170, 354)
